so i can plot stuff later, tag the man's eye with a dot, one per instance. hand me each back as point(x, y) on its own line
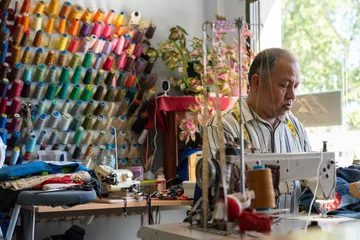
point(284, 85)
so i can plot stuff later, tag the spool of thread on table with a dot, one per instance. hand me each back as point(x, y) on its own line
point(120, 123)
point(76, 12)
point(62, 25)
point(109, 94)
point(97, 29)
point(4, 50)
point(38, 56)
point(89, 150)
point(140, 122)
point(66, 137)
point(138, 50)
point(27, 134)
point(108, 123)
point(121, 79)
point(142, 80)
point(74, 60)
point(62, 43)
point(101, 137)
point(118, 20)
point(62, 58)
point(98, 123)
point(77, 74)
point(96, 48)
point(108, 63)
point(75, 123)
point(4, 85)
point(123, 151)
point(64, 89)
point(15, 155)
point(38, 91)
point(3, 119)
point(87, 59)
point(87, 77)
point(87, 15)
point(39, 7)
point(130, 93)
point(3, 104)
point(133, 107)
point(30, 143)
point(107, 31)
point(53, 120)
point(109, 77)
point(37, 39)
point(74, 95)
point(86, 93)
point(99, 109)
point(111, 109)
point(74, 27)
point(98, 93)
point(53, 137)
point(150, 31)
point(41, 137)
point(74, 44)
point(50, 92)
point(139, 65)
point(65, 107)
point(85, 29)
point(14, 107)
point(42, 105)
point(120, 44)
point(108, 47)
point(142, 137)
point(15, 123)
point(151, 81)
point(40, 73)
point(15, 139)
point(25, 37)
point(78, 135)
point(97, 61)
point(99, 77)
point(76, 108)
point(93, 40)
point(64, 75)
point(87, 123)
point(50, 58)
point(89, 108)
point(51, 76)
point(77, 153)
point(16, 71)
point(260, 181)
point(50, 25)
point(85, 44)
point(89, 137)
point(138, 36)
point(123, 106)
point(53, 7)
point(52, 107)
point(130, 80)
point(40, 123)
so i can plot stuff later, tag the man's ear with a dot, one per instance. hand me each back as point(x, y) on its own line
point(255, 82)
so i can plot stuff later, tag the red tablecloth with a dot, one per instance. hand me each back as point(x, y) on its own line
point(177, 103)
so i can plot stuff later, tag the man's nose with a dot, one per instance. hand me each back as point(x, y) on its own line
point(290, 94)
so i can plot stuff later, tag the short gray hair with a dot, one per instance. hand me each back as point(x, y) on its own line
point(266, 60)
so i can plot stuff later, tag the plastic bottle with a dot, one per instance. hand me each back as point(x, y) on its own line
point(102, 158)
point(160, 182)
point(111, 156)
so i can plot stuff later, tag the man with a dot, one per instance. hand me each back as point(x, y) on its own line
point(268, 126)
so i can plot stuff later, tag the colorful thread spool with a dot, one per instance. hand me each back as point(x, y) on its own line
point(77, 74)
point(86, 93)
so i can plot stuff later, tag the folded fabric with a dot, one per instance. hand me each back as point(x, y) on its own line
point(26, 183)
point(64, 180)
point(23, 170)
point(65, 167)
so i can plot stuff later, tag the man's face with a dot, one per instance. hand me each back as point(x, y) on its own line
point(277, 95)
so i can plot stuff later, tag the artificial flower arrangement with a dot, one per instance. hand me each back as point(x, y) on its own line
point(222, 71)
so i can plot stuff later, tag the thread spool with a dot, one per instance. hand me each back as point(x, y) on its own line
point(260, 181)
point(151, 81)
point(74, 95)
point(64, 75)
point(150, 31)
point(38, 91)
point(120, 94)
point(76, 108)
point(142, 80)
point(87, 77)
point(65, 107)
point(42, 105)
point(87, 123)
point(53, 137)
point(109, 94)
point(148, 67)
point(16, 88)
point(123, 106)
point(77, 152)
point(18, 20)
point(142, 137)
point(37, 22)
point(25, 93)
point(15, 123)
point(40, 73)
point(130, 63)
point(97, 29)
point(52, 107)
point(89, 108)
point(3, 104)
point(16, 71)
point(51, 75)
point(85, 29)
point(120, 122)
point(138, 36)
point(74, 44)
point(74, 27)
point(62, 25)
point(86, 93)
point(50, 25)
point(50, 92)
point(39, 7)
point(130, 94)
point(65, 9)
point(99, 15)
point(78, 135)
point(139, 65)
point(119, 19)
point(107, 31)
point(130, 50)
point(98, 93)
point(89, 150)
point(18, 34)
point(50, 58)
point(74, 60)
point(62, 43)
point(77, 74)
point(14, 107)
point(3, 119)
point(4, 50)
point(25, 38)
point(98, 123)
point(65, 122)
point(100, 139)
point(138, 50)
point(87, 59)
point(4, 33)
point(99, 109)
point(61, 61)
point(97, 61)
point(121, 79)
point(15, 55)
point(99, 77)
point(63, 91)
point(123, 151)
point(111, 109)
point(14, 139)
point(109, 77)
point(140, 122)
point(75, 123)
point(89, 137)
point(30, 144)
point(66, 137)
point(53, 7)
point(98, 46)
point(38, 56)
point(27, 134)
point(76, 12)
point(133, 107)
point(4, 69)
point(108, 123)
point(40, 123)
point(93, 40)
point(68, 148)
point(53, 120)
point(87, 15)
point(4, 85)
point(114, 39)
point(120, 45)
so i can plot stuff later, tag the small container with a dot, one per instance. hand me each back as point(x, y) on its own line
point(148, 186)
point(52, 155)
point(138, 172)
point(160, 182)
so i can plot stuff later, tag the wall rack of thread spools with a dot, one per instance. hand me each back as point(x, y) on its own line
point(70, 76)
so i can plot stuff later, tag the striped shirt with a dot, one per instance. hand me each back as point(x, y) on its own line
point(289, 135)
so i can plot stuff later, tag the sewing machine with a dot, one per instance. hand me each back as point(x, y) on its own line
point(117, 183)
